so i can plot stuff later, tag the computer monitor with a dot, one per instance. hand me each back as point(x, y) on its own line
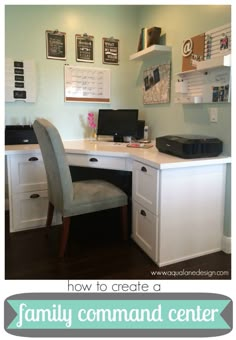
point(117, 123)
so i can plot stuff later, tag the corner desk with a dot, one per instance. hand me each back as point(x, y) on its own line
point(177, 204)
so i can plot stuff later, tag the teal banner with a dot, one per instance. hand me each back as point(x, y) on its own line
point(127, 315)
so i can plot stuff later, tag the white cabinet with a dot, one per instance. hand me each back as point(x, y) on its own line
point(191, 212)
point(28, 196)
point(178, 205)
point(145, 208)
point(178, 213)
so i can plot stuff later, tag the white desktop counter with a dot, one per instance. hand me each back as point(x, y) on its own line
point(151, 156)
point(177, 204)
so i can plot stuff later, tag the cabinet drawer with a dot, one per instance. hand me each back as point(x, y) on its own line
point(94, 161)
point(146, 186)
point(26, 172)
point(29, 210)
point(145, 230)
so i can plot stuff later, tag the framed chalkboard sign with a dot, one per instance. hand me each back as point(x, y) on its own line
point(56, 45)
point(84, 45)
point(110, 51)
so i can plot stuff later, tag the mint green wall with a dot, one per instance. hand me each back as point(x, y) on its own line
point(25, 39)
point(25, 27)
point(178, 23)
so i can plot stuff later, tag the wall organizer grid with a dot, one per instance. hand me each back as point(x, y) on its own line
point(87, 84)
point(20, 81)
point(209, 82)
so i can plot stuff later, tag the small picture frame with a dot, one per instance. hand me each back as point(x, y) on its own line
point(110, 51)
point(224, 42)
point(84, 48)
point(56, 45)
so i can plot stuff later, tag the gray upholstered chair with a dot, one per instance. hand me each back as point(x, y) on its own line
point(73, 198)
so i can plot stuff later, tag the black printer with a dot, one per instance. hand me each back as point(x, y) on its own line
point(20, 134)
point(189, 146)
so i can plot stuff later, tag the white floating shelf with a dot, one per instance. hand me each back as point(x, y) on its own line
point(202, 66)
point(150, 52)
point(224, 60)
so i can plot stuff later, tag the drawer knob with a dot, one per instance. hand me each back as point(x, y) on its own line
point(142, 212)
point(34, 196)
point(144, 169)
point(93, 159)
point(33, 159)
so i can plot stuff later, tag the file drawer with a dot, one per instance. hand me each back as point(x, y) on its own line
point(27, 172)
point(145, 230)
point(146, 186)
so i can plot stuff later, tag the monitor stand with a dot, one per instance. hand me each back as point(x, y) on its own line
point(118, 138)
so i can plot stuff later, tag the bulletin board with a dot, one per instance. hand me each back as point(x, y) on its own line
point(83, 84)
point(192, 50)
point(156, 84)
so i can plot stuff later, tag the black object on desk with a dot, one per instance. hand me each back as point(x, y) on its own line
point(20, 134)
point(140, 129)
point(189, 146)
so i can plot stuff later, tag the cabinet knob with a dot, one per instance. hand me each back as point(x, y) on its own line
point(93, 159)
point(143, 213)
point(34, 196)
point(144, 169)
point(33, 159)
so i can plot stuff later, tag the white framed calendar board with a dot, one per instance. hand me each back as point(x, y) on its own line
point(87, 84)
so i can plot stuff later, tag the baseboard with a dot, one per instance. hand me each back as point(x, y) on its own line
point(188, 257)
point(226, 244)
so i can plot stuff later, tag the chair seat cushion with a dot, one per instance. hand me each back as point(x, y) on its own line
point(94, 195)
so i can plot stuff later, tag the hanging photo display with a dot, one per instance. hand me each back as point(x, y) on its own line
point(156, 84)
point(56, 45)
point(110, 51)
point(84, 45)
point(220, 93)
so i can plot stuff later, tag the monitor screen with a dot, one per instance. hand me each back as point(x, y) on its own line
point(117, 123)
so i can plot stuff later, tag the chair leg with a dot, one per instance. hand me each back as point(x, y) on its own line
point(64, 235)
point(50, 214)
point(124, 222)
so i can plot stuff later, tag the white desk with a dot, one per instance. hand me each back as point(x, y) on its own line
point(177, 204)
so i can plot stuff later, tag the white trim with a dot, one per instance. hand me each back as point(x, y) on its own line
point(188, 257)
point(226, 244)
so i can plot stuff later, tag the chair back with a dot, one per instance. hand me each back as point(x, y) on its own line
point(60, 188)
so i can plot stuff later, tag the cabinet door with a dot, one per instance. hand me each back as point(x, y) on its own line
point(30, 210)
point(27, 172)
point(146, 186)
point(145, 230)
